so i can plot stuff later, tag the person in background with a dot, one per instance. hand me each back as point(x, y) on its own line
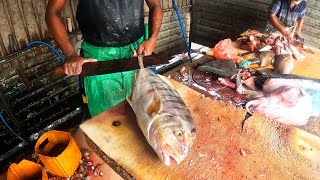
point(287, 16)
point(111, 30)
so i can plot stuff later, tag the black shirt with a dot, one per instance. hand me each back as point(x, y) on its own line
point(113, 23)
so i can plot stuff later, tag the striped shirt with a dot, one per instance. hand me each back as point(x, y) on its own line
point(288, 16)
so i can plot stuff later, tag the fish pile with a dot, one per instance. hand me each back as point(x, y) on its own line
point(274, 50)
point(288, 99)
point(162, 116)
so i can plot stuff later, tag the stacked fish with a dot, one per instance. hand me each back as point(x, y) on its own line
point(274, 50)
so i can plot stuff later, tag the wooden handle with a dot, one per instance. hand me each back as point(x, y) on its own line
point(59, 70)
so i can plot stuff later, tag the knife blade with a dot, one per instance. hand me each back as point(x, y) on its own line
point(118, 65)
point(299, 39)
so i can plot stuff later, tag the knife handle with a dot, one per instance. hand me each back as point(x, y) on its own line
point(59, 70)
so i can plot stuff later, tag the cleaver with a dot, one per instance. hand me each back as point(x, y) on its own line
point(118, 65)
point(299, 39)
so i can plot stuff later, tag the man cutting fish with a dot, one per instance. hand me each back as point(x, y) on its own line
point(111, 30)
point(287, 16)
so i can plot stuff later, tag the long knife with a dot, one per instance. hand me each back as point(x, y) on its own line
point(119, 65)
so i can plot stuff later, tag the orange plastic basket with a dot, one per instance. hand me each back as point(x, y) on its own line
point(59, 153)
point(26, 170)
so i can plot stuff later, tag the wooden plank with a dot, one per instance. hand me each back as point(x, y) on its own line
point(222, 150)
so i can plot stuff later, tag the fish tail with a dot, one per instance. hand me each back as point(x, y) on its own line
point(129, 100)
point(140, 60)
point(142, 69)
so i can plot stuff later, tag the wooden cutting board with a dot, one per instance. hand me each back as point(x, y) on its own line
point(262, 150)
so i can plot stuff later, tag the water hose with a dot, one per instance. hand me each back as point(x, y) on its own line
point(182, 28)
point(54, 50)
point(8, 126)
point(48, 45)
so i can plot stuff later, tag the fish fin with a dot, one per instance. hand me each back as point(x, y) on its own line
point(129, 100)
point(140, 59)
point(154, 107)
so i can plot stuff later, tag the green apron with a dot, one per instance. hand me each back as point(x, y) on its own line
point(105, 91)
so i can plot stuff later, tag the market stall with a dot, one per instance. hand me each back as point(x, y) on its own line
point(220, 97)
point(228, 145)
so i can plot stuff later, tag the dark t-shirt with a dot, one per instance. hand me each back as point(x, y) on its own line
point(113, 23)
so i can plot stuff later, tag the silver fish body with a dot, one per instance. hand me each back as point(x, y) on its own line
point(162, 116)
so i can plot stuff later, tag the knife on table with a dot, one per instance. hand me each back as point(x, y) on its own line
point(119, 65)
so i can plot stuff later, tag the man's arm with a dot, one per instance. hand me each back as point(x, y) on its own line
point(300, 22)
point(276, 24)
point(73, 62)
point(57, 27)
point(155, 20)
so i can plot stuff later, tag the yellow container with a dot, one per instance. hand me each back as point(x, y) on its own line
point(26, 170)
point(59, 153)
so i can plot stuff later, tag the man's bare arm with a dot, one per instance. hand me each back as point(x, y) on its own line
point(73, 62)
point(57, 28)
point(155, 17)
point(155, 20)
point(300, 22)
point(275, 22)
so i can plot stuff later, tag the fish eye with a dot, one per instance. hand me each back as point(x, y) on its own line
point(193, 131)
point(178, 133)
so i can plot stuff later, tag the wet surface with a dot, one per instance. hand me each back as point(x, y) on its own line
point(209, 85)
point(206, 83)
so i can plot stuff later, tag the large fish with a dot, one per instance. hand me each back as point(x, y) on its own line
point(288, 99)
point(162, 116)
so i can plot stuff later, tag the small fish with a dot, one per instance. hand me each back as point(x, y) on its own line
point(296, 54)
point(266, 58)
point(162, 116)
point(283, 64)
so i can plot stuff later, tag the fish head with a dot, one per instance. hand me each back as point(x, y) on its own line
point(173, 140)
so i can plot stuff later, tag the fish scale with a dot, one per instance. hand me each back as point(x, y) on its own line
point(166, 91)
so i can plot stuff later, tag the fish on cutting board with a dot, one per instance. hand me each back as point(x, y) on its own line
point(266, 58)
point(283, 64)
point(287, 105)
point(162, 116)
point(288, 99)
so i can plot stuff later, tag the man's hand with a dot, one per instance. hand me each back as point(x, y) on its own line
point(146, 47)
point(73, 64)
point(287, 34)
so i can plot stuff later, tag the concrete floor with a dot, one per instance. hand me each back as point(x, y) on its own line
point(108, 173)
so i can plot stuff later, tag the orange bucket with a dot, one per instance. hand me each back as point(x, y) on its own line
point(59, 153)
point(26, 170)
